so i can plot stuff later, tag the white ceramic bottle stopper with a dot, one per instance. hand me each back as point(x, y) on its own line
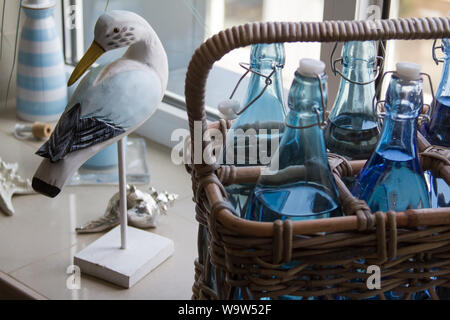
point(229, 109)
point(408, 70)
point(311, 67)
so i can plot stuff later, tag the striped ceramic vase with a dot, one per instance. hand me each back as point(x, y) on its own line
point(41, 80)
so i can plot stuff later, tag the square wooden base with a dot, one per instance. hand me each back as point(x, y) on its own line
point(104, 259)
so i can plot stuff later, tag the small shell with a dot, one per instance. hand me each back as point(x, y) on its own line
point(143, 210)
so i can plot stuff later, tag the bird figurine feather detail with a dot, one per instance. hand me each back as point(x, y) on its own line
point(111, 100)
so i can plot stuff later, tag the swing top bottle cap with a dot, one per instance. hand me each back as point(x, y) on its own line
point(408, 70)
point(310, 67)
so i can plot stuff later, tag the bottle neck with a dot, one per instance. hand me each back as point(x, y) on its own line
point(305, 101)
point(257, 83)
point(357, 70)
point(355, 98)
point(404, 101)
point(444, 84)
point(438, 130)
point(358, 61)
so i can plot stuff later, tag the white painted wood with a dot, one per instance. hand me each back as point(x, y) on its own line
point(123, 193)
point(104, 259)
point(145, 53)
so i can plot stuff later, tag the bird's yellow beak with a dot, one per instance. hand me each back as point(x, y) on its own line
point(86, 61)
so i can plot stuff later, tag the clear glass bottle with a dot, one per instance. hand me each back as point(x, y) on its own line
point(352, 129)
point(438, 130)
point(298, 184)
point(392, 179)
point(251, 136)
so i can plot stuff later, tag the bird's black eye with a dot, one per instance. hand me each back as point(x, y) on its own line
point(116, 30)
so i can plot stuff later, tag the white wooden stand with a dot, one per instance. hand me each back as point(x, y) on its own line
point(139, 251)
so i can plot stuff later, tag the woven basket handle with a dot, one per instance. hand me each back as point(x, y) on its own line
point(218, 45)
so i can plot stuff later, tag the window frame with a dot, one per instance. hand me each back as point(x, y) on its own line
point(171, 113)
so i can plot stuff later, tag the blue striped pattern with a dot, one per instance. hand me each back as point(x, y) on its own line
point(39, 30)
point(38, 14)
point(40, 108)
point(40, 60)
point(38, 34)
point(41, 83)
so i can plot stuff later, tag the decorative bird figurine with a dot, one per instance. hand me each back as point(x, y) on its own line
point(110, 101)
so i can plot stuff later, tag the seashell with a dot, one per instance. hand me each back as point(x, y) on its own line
point(143, 210)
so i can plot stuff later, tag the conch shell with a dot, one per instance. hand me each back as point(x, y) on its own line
point(143, 210)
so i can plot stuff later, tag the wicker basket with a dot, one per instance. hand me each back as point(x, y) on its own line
point(411, 248)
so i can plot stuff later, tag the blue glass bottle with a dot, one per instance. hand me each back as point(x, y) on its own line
point(438, 133)
point(438, 130)
point(352, 129)
point(298, 184)
point(260, 126)
point(392, 178)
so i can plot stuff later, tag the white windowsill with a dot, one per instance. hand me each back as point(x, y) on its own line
point(38, 242)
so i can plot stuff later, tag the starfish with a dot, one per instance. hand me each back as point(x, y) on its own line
point(11, 183)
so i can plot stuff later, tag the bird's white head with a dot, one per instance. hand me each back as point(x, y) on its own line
point(114, 29)
point(117, 29)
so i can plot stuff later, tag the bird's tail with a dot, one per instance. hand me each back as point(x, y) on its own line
point(50, 177)
point(45, 181)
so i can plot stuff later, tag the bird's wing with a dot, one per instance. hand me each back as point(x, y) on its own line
point(74, 133)
point(98, 111)
point(123, 99)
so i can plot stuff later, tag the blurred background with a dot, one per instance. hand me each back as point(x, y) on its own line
point(184, 24)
